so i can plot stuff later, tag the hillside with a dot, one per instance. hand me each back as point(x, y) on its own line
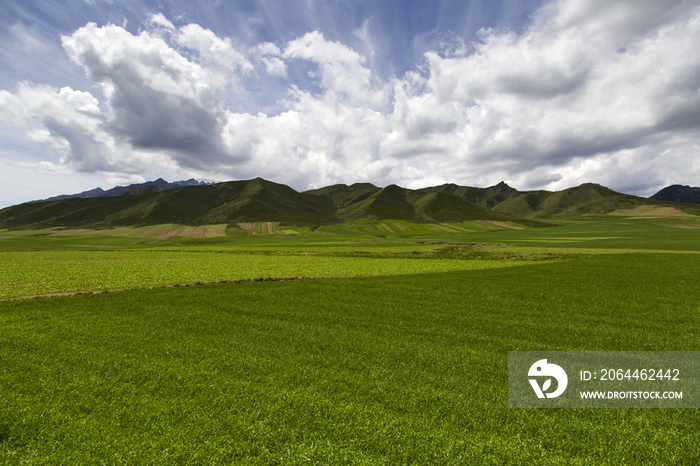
point(589, 198)
point(586, 199)
point(260, 200)
point(366, 201)
point(254, 200)
point(678, 193)
point(484, 197)
point(230, 202)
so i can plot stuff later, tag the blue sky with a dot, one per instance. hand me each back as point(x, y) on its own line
point(541, 94)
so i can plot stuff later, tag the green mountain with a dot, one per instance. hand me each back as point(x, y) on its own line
point(589, 198)
point(484, 197)
point(260, 200)
point(230, 202)
point(678, 193)
point(366, 201)
point(255, 200)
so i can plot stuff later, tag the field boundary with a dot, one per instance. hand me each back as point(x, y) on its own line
point(215, 282)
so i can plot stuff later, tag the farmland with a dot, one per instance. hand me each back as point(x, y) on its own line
point(34, 272)
point(400, 358)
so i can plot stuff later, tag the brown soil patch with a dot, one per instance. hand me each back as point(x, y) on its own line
point(199, 232)
point(183, 231)
point(247, 226)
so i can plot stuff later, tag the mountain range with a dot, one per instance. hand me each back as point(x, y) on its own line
point(678, 193)
point(159, 184)
point(259, 200)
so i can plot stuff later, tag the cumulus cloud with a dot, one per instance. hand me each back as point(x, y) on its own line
point(159, 99)
point(269, 54)
point(214, 53)
point(564, 91)
point(159, 19)
point(342, 70)
point(590, 91)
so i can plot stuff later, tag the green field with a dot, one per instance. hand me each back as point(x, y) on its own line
point(38, 272)
point(401, 358)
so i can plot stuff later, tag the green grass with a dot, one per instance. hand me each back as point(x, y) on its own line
point(406, 229)
point(390, 369)
point(39, 272)
point(254, 200)
point(382, 370)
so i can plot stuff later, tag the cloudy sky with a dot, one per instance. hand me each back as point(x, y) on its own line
point(544, 94)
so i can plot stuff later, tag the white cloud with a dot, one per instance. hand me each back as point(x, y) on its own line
point(553, 98)
point(44, 137)
point(46, 168)
point(159, 99)
point(590, 91)
point(275, 66)
point(159, 19)
point(120, 179)
point(269, 54)
point(214, 52)
point(342, 70)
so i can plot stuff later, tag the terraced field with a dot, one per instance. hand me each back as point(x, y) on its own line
point(155, 231)
point(261, 228)
point(402, 227)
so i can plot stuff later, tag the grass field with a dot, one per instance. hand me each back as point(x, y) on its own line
point(405, 367)
point(39, 272)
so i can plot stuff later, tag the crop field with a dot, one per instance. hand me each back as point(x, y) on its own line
point(399, 358)
point(402, 227)
point(260, 228)
point(156, 231)
point(38, 272)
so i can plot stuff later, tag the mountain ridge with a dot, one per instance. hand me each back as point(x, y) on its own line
point(160, 184)
point(259, 200)
point(678, 193)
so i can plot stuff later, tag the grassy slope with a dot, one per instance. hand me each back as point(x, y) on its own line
point(263, 201)
point(444, 203)
point(430, 205)
point(390, 370)
point(250, 201)
point(589, 198)
point(343, 195)
point(484, 197)
point(231, 202)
